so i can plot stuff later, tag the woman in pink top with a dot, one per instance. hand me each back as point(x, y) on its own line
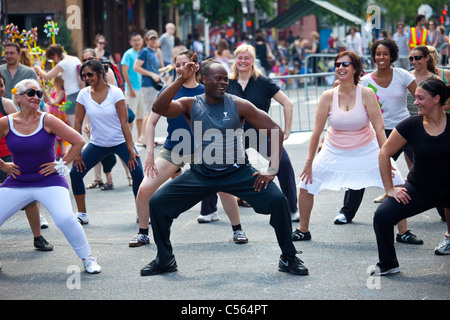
point(349, 155)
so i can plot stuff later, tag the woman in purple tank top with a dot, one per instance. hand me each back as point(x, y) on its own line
point(35, 218)
point(34, 176)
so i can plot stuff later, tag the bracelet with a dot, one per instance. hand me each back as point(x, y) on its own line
point(61, 168)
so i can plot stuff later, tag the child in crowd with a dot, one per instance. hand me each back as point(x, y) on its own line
point(56, 108)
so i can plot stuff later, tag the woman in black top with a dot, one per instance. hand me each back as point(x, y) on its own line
point(428, 135)
point(262, 50)
point(247, 82)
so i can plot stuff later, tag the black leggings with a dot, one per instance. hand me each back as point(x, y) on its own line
point(390, 212)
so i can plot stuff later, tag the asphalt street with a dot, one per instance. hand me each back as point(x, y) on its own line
point(211, 266)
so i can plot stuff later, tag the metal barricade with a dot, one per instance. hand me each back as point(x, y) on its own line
point(304, 94)
point(325, 60)
point(441, 48)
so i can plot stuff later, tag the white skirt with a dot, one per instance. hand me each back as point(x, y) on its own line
point(336, 169)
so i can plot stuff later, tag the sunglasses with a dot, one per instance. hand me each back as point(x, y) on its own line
point(417, 58)
point(344, 64)
point(87, 59)
point(87, 75)
point(31, 93)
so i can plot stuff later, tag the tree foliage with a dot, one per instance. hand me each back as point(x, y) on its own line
point(392, 11)
point(221, 12)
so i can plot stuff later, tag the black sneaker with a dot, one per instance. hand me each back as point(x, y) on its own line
point(292, 265)
point(152, 268)
point(297, 235)
point(408, 237)
point(42, 245)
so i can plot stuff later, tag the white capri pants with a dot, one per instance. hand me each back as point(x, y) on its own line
point(57, 201)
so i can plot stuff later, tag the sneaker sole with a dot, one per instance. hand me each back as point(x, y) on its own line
point(44, 248)
point(206, 221)
point(82, 222)
point(135, 245)
point(159, 271)
point(400, 240)
point(301, 238)
point(93, 272)
point(387, 272)
point(302, 273)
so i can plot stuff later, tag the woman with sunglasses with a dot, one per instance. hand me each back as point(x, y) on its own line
point(67, 66)
point(106, 109)
point(100, 47)
point(444, 74)
point(89, 54)
point(34, 175)
point(349, 155)
point(391, 86)
point(109, 161)
point(424, 68)
point(35, 218)
point(427, 185)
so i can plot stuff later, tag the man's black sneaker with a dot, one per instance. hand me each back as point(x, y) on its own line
point(42, 245)
point(408, 237)
point(292, 265)
point(297, 235)
point(152, 268)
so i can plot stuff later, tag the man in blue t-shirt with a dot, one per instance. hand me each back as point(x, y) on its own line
point(133, 81)
point(147, 64)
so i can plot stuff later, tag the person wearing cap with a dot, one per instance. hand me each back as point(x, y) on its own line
point(149, 64)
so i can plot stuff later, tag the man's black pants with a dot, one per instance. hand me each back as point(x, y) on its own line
point(195, 184)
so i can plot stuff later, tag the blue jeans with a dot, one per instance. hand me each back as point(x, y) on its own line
point(93, 154)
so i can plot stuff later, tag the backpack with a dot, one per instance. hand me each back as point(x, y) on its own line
point(116, 72)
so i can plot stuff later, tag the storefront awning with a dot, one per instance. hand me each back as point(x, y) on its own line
point(297, 11)
point(340, 12)
point(306, 7)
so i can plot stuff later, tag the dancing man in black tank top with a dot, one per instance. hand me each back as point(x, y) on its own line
point(235, 176)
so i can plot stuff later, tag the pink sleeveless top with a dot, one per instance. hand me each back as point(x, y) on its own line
point(349, 129)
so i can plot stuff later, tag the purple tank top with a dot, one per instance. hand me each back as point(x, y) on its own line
point(29, 152)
